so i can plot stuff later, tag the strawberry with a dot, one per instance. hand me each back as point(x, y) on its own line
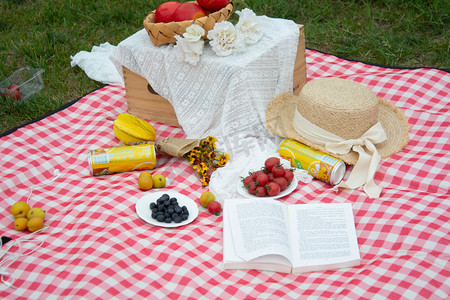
point(278, 170)
point(262, 179)
point(271, 162)
point(273, 189)
point(282, 182)
point(214, 208)
point(252, 188)
point(261, 191)
point(246, 181)
point(256, 174)
point(289, 175)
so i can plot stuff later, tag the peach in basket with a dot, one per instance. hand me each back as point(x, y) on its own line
point(164, 33)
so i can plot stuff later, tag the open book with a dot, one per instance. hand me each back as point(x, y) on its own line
point(271, 235)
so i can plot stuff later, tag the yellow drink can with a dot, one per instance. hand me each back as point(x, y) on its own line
point(122, 159)
point(320, 165)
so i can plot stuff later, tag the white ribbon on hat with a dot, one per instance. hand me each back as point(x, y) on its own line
point(368, 162)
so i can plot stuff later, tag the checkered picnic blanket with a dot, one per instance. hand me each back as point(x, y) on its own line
point(95, 245)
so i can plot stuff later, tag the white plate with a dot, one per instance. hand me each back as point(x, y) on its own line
point(144, 212)
point(243, 191)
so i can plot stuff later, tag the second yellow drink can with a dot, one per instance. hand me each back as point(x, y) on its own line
point(320, 165)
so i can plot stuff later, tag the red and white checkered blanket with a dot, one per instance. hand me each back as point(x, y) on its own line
point(95, 246)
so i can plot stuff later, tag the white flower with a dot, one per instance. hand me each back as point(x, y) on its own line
point(190, 50)
point(248, 26)
point(224, 39)
point(194, 33)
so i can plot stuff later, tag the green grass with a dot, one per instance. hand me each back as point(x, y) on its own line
point(44, 34)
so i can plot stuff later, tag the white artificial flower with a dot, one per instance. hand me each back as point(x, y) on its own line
point(194, 33)
point(224, 39)
point(190, 50)
point(248, 26)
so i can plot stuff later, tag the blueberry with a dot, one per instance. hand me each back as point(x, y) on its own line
point(185, 210)
point(170, 210)
point(177, 219)
point(164, 197)
point(184, 217)
point(166, 203)
point(154, 215)
point(178, 210)
point(168, 220)
point(160, 207)
point(160, 218)
point(152, 205)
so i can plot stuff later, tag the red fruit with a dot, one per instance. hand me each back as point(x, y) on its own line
point(256, 174)
point(213, 5)
point(252, 188)
point(261, 191)
point(273, 189)
point(282, 182)
point(214, 207)
point(164, 12)
point(278, 171)
point(246, 181)
point(262, 179)
point(289, 175)
point(188, 11)
point(271, 177)
point(14, 92)
point(271, 162)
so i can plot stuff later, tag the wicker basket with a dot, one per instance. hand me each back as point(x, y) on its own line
point(164, 33)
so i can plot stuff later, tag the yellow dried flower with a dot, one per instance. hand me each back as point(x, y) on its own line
point(205, 159)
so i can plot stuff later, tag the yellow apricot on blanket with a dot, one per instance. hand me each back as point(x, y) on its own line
point(35, 212)
point(35, 224)
point(145, 181)
point(20, 224)
point(206, 197)
point(20, 209)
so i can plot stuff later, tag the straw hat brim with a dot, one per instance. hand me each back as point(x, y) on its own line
point(280, 115)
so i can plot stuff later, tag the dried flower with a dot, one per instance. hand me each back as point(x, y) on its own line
point(248, 27)
point(205, 159)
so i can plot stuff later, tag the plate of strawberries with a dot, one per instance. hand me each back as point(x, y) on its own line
point(273, 181)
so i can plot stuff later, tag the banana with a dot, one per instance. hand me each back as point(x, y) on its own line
point(131, 130)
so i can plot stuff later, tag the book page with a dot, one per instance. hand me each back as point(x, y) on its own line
point(323, 236)
point(259, 228)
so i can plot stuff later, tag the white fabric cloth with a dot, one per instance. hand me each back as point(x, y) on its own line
point(225, 97)
point(97, 65)
point(368, 159)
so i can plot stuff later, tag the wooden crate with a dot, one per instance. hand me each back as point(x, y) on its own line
point(144, 102)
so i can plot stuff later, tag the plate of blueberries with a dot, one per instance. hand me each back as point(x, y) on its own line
point(167, 209)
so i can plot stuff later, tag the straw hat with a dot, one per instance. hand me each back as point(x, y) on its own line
point(341, 107)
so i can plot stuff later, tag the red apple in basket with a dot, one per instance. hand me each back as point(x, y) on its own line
point(188, 11)
point(164, 12)
point(213, 5)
